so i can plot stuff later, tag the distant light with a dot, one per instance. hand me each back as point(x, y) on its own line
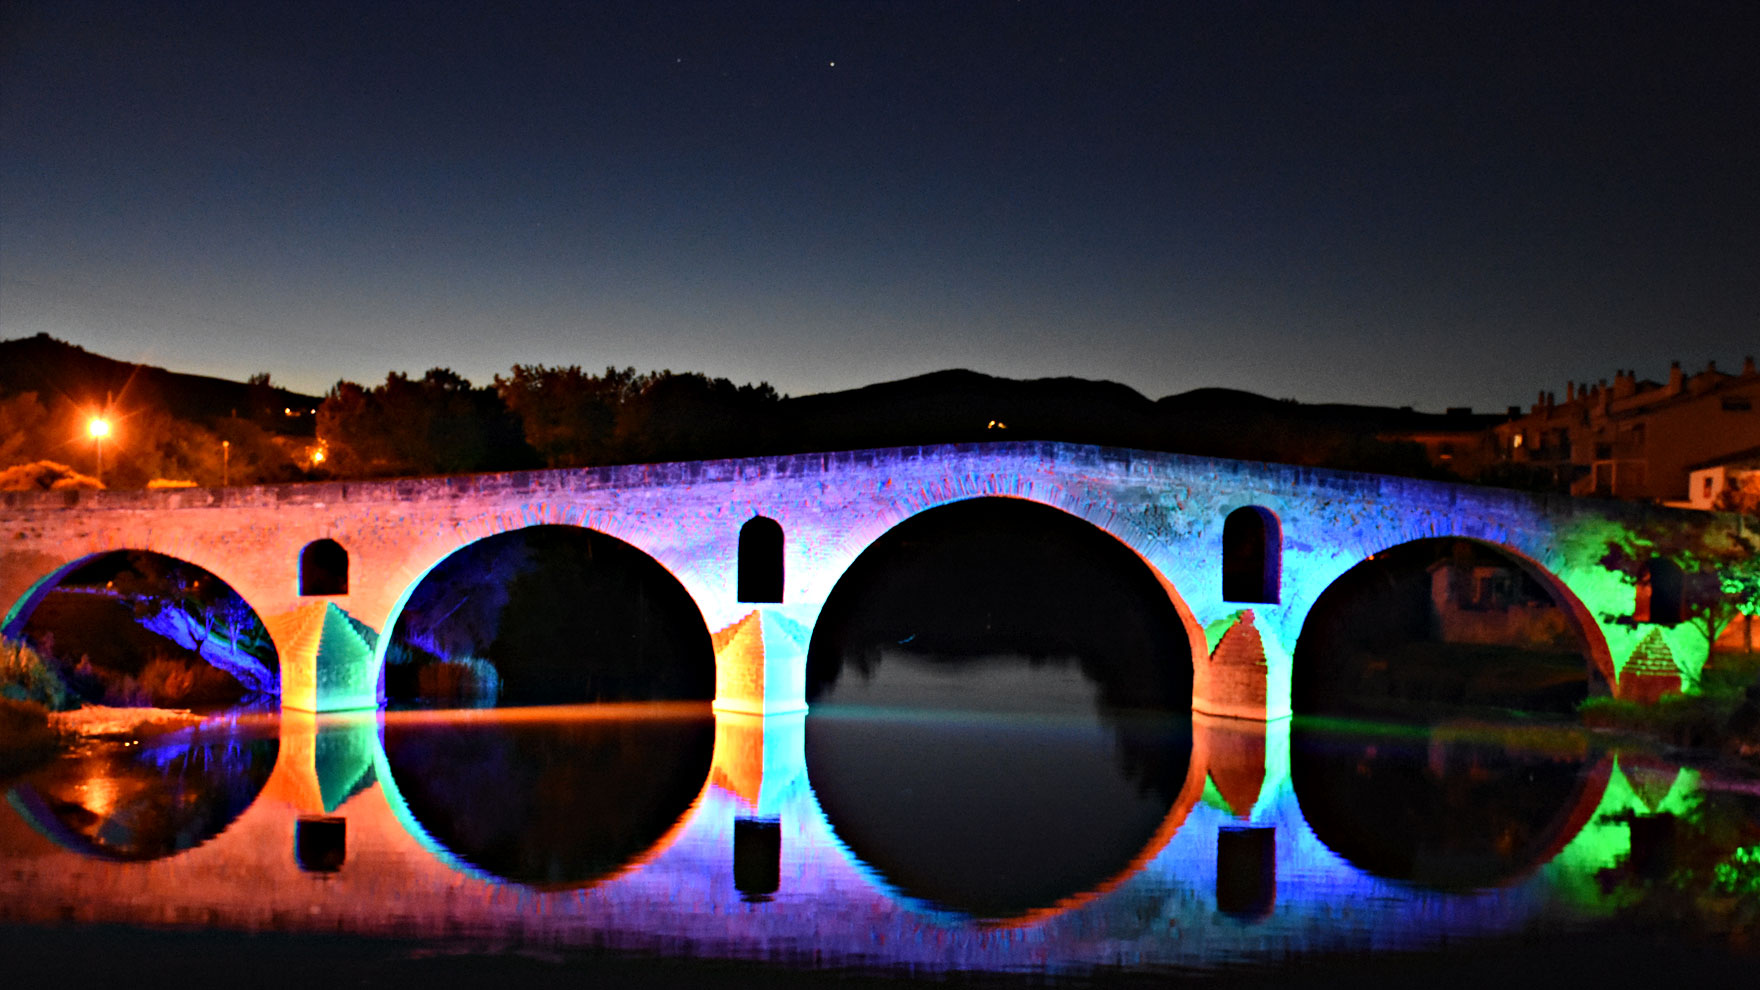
point(996, 424)
point(98, 428)
point(317, 457)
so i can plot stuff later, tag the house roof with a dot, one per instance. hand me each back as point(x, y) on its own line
point(1739, 457)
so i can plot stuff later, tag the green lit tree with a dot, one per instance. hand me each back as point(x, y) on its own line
point(1704, 572)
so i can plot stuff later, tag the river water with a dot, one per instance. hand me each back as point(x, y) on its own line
point(930, 820)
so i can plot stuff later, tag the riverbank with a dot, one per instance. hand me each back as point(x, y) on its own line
point(1721, 721)
point(31, 735)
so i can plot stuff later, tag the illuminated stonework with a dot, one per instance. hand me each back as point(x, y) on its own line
point(1170, 509)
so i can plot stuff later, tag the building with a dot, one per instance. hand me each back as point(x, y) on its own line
point(1731, 482)
point(1636, 438)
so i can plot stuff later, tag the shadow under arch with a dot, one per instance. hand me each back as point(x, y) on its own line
point(667, 770)
point(1020, 741)
point(1310, 669)
point(651, 590)
point(258, 672)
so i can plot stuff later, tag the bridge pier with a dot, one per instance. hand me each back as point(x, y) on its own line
point(1247, 674)
point(761, 661)
point(327, 659)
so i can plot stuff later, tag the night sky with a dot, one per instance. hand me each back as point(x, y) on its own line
point(1397, 203)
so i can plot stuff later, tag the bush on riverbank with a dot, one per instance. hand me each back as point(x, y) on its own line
point(162, 682)
point(26, 676)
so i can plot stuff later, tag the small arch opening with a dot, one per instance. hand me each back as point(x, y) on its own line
point(323, 569)
point(760, 560)
point(1661, 593)
point(1252, 556)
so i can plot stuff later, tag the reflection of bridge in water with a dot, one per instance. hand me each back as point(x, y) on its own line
point(1244, 550)
point(1178, 902)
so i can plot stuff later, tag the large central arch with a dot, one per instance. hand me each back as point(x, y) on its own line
point(1107, 524)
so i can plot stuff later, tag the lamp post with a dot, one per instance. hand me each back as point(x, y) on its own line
point(225, 463)
point(98, 428)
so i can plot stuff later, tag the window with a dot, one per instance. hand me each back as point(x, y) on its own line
point(1661, 594)
point(760, 560)
point(1252, 555)
point(323, 569)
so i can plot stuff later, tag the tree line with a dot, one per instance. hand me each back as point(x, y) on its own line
point(438, 423)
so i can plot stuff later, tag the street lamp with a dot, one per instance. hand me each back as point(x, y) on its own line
point(98, 428)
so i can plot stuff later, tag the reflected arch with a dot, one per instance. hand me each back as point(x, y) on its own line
point(1085, 748)
point(156, 800)
point(555, 796)
point(1578, 621)
point(570, 545)
point(1467, 805)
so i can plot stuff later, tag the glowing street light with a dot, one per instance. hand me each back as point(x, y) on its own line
point(98, 428)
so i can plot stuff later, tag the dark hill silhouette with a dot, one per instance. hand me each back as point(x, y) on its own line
point(954, 406)
point(960, 406)
point(60, 372)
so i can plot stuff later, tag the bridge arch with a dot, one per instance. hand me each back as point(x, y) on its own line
point(502, 527)
point(1105, 517)
point(253, 676)
point(19, 611)
point(1578, 620)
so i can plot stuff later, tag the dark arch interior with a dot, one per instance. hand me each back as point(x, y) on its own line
point(760, 560)
point(549, 615)
point(993, 576)
point(1440, 624)
point(1000, 707)
point(1252, 556)
point(323, 569)
point(133, 628)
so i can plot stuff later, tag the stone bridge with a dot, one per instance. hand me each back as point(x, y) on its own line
point(759, 544)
